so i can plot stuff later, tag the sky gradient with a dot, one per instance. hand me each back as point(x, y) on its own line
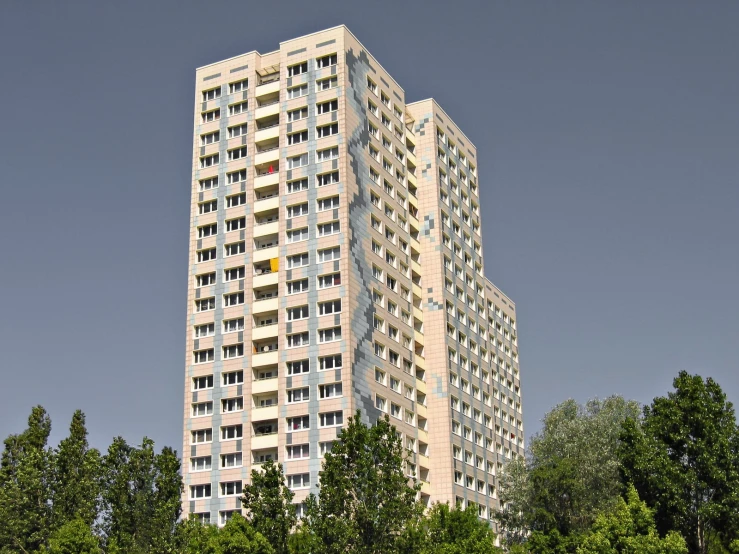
point(608, 145)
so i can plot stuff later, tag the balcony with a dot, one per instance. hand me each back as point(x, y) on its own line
point(266, 205)
point(265, 358)
point(268, 105)
point(266, 229)
point(266, 242)
point(268, 81)
point(267, 193)
point(267, 132)
point(267, 153)
point(260, 456)
point(265, 326)
point(266, 174)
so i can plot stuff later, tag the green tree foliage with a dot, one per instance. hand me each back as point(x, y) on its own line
point(193, 537)
point(684, 462)
point(574, 463)
point(76, 476)
point(238, 537)
point(25, 487)
point(141, 497)
point(456, 531)
point(74, 537)
point(268, 504)
point(571, 475)
point(629, 529)
point(364, 503)
point(514, 494)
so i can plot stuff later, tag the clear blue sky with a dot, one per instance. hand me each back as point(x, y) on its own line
point(608, 138)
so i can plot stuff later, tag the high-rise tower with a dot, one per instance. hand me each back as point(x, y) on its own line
point(336, 264)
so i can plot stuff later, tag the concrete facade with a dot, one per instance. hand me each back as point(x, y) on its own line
point(336, 264)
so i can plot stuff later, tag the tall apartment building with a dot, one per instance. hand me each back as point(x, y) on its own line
point(336, 264)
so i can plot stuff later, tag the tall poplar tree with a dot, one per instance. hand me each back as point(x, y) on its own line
point(25, 487)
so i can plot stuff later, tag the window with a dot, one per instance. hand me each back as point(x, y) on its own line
point(201, 436)
point(233, 299)
point(329, 335)
point(395, 410)
point(237, 153)
point(236, 176)
point(380, 376)
point(297, 235)
point(326, 130)
point(298, 114)
point(232, 432)
point(236, 200)
point(297, 92)
point(210, 138)
point(380, 350)
point(329, 254)
point(330, 228)
point(385, 99)
point(232, 404)
point(297, 138)
point(200, 383)
point(238, 86)
point(235, 224)
point(300, 423)
point(208, 161)
point(234, 273)
point(298, 395)
point(298, 481)
point(231, 488)
point(298, 69)
point(328, 362)
point(325, 84)
point(298, 367)
point(296, 313)
point(235, 248)
point(212, 115)
point(298, 339)
point(203, 356)
point(331, 419)
point(236, 109)
point(325, 447)
point(206, 330)
point(211, 94)
point(326, 61)
point(297, 186)
point(372, 107)
point(201, 463)
point(298, 452)
point(330, 280)
point(231, 460)
point(225, 515)
point(233, 351)
point(326, 107)
point(207, 184)
point(205, 304)
point(332, 390)
point(233, 378)
point(294, 287)
point(200, 409)
point(330, 307)
point(328, 204)
point(327, 154)
point(380, 403)
point(297, 260)
point(371, 85)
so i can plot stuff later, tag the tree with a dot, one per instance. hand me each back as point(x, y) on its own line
point(629, 529)
point(76, 477)
point(25, 476)
point(74, 537)
point(194, 537)
point(238, 537)
point(457, 531)
point(574, 463)
point(268, 504)
point(365, 500)
point(514, 493)
point(684, 462)
point(141, 497)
